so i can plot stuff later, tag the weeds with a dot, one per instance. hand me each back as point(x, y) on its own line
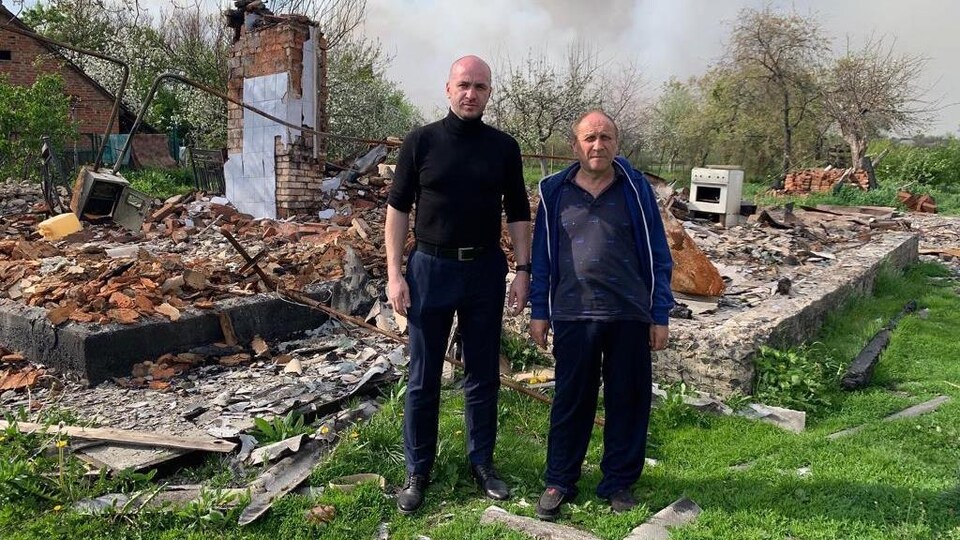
point(522, 354)
point(161, 183)
point(211, 509)
point(800, 378)
point(280, 428)
point(674, 412)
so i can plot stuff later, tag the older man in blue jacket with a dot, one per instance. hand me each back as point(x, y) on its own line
point(601, 280)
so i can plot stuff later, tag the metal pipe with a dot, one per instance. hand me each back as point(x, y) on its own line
point(115, 113)
point(221, 95)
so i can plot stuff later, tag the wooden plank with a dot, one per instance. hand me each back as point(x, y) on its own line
point(137, 438)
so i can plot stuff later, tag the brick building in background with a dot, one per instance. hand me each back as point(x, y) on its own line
point(91, 103)
point(280, 68)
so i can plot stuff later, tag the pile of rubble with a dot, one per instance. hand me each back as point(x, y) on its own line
point(201, 396)
point(179, 261)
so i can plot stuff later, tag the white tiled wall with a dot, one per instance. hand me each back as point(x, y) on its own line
point(250, 178)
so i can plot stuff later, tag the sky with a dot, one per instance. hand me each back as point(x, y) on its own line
point(665, 38)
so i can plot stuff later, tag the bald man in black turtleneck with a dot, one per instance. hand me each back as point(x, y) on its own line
point(462, 175)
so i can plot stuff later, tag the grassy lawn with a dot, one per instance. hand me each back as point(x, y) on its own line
point(897, 479)
point(948, 198)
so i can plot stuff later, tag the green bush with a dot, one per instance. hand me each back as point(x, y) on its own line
point(27, 113)
point(522, 354)
point(937, 166)
point(161, 183)
point(801, 378)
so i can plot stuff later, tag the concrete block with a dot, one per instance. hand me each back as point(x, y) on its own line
point(98, 353)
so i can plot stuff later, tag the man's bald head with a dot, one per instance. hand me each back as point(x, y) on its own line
point(469, 62)
point(468, 87)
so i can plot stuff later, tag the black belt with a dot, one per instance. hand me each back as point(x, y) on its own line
point(469, 253)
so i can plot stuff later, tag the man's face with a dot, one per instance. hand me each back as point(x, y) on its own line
point(469, 88)
point(596, 143)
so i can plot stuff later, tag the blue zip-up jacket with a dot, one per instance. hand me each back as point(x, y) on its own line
point(649, 237)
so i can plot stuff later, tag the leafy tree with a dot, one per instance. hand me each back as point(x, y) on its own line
point(27, 114)
point(539, 99)
point(871, 91)
point(363, 102)
point(778, 55)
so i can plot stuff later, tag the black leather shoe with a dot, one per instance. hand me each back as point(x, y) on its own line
point(622, 501)
point(548, 507)
point(490, 483)
point(410, 497)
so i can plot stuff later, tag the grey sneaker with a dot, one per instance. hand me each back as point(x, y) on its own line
point(548, 507)
point(622, 501)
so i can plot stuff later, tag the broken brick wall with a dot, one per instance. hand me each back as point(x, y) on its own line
point(272, 170)
point(819, 180)
point(92, 106)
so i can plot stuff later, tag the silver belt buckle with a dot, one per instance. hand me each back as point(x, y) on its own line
point(465, 254)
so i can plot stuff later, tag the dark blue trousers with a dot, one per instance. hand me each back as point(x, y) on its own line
point(620, 351)
point(474, 290)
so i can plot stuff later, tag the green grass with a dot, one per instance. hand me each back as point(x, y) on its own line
point(161, 183)
point(890, 480)
point(947, 198)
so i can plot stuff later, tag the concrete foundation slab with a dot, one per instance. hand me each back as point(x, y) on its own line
point(99, 352)
point(715, 353)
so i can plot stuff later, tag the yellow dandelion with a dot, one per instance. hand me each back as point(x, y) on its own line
point(61, 443)
point(324, 429)
point(354, 435)
point(57, 508)
point(459, 432)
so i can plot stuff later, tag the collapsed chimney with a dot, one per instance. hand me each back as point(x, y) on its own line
point(279, 66)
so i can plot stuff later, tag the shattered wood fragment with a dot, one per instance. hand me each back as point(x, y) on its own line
point(61, 314)
point(128, 437)
point(11, 358)
point(234, 360)
point(168, 311)
point(259, 347)
point(226, 325)
point(194, 279)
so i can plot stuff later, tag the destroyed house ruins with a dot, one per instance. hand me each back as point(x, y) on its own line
point(207, 311)
point(278, 66)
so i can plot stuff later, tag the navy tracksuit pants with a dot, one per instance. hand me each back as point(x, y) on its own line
point(474, 290)
point(585, 350)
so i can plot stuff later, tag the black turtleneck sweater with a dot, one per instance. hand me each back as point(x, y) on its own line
point(462, 175)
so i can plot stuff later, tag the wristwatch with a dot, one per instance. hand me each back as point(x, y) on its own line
point(523, 268)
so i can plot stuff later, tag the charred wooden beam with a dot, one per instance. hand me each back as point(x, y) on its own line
point(861, 369)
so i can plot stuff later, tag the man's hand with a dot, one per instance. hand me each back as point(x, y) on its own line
point(398, 292)
point(539, 329)
point(519, 287)
point(659, 335)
